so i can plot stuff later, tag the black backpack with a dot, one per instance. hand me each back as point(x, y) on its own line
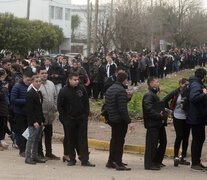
point(104, 114)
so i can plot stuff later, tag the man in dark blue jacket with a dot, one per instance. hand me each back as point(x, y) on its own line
point(196, 116)
point(18, 95)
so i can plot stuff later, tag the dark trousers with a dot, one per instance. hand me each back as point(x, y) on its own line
point(6, 128)
point(101, 89)
point(20, 127)
point(182, 131)
point(47, 132)
point(198, 138)
point(77, 137)
point(95, 90)
point(152, 71)
point(2, 131)
point(65, 141)
point(154, 153)
point(118, 134)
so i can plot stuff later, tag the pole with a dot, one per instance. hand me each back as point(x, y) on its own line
point(28, 9)
point(95, 28)
point(152, 33)
point(88, 33)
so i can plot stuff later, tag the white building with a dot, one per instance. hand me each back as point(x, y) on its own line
point(80, 42)
point(56, 12)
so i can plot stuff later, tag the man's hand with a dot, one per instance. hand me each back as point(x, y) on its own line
point(129, 95)
point(131, 128)
point(36, 125)
point(204, 90)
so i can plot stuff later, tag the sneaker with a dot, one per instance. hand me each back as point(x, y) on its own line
point(183, 161)
point(52, 157)
point(3, 143)
point(176, 161)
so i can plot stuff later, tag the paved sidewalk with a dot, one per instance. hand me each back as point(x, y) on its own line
point(13, 167)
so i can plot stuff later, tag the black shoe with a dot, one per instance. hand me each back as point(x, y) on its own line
point(30, 161)
point(39, 160)
point(153, 168)
point(88, 164)
point(71, 163)
point(110, 165)
point(51, 157)
point(120, 167)
point(124, 164)
point(197, 167)
point(183, 161)
point(22, 154)
point(204, 167)
point(64, 159)
point(161, 165)
point(176, 161)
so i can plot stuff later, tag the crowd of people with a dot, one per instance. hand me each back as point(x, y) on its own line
point(32, 90)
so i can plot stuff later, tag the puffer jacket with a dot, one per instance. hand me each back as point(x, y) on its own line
point(18, 98)
point(152, 119)
point(49, 105)
point(197, 106)
point(116, 104)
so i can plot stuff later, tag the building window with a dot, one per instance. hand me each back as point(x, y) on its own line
point(58, 13)
point(67, 14)
point(52, 12)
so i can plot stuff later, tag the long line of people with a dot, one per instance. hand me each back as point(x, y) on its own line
point(96, 73)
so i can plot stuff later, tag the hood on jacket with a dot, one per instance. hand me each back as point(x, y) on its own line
point(195, 79)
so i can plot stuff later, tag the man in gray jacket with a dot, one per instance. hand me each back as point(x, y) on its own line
point(49, 107)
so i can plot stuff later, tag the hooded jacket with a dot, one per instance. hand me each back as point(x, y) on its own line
point(197, 106)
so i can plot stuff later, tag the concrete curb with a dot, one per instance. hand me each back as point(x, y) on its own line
point(104, 145)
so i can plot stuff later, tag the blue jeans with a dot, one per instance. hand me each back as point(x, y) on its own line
point(31, 151)
point(58, 87)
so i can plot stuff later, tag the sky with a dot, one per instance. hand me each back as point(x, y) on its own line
point(103, 1)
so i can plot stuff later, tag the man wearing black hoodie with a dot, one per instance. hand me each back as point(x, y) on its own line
point(197, 115)
point(73, 107)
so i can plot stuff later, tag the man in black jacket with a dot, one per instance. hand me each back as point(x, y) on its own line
point(154, 123)
point(35, 119)
point(56, 74)
point(197, 116)
point(116, 104)
point(73, 107)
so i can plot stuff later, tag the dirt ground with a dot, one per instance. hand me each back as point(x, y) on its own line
point(13, 167)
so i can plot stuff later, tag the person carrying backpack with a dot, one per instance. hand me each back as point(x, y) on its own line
point(182, 129)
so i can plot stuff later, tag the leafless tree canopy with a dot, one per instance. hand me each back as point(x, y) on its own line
point(181, 22)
